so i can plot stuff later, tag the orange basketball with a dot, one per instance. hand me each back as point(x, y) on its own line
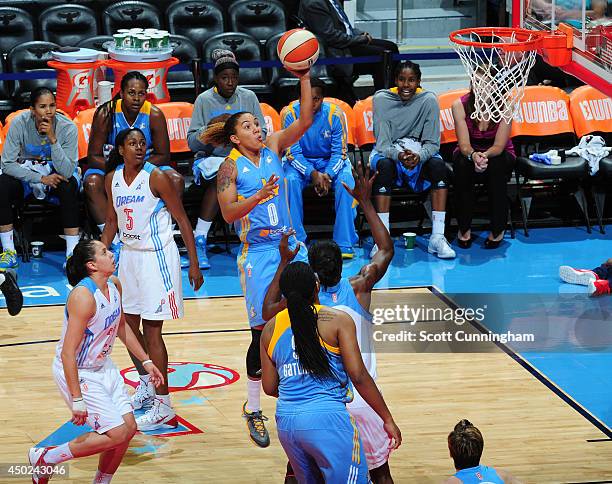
point(298, 49)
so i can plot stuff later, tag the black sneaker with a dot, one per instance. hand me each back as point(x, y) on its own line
point(11, 292)
point(257, 428)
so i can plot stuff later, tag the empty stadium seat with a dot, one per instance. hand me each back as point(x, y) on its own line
point(83, 122)
point(271, 117)
point(364, 124)
point(96, 43)
point(544, 122)
point(259, 19)
point(67, 24)
point(5, 102)
point(246, 48)
point(128, 14)
point(195, 19)
point(185, 51)
point(16, 27)
point(31, 57)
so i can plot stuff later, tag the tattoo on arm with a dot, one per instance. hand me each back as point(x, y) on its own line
point(224, 176)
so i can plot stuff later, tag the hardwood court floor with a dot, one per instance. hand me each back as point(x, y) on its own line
point(528, 429)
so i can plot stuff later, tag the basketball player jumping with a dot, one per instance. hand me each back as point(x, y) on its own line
point(252, 194)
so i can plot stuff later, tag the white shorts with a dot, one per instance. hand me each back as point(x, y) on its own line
point(103, 392)
point(373, 436)
point(151, 283)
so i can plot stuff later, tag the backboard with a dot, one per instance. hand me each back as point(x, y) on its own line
point(591, 26)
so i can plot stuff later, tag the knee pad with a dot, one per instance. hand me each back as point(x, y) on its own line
point(439, 175)
point(253, 359)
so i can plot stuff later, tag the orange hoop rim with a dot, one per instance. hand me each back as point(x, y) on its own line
point(525, 39)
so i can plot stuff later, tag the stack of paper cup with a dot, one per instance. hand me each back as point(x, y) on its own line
point(105, 92)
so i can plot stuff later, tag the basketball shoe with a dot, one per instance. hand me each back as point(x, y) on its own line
point(144, 396)
point(257, 429)
point(439, 246)
point(159, 416)
point(11, 292)
point(577, 276)
point(599, 287)
point(40, 469)
point(8, 260)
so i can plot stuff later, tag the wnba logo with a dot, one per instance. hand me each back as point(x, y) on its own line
point(81, 80)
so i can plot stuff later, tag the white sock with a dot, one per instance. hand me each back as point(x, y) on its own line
point(202, 228)
point(253, 394)
point(59, 454)
point(71, 242)
point(101, 227)
point(438, 222)
point(102, 478)
point(2, 278)
point(384, 216)
point(165, 399)
point(7, 240)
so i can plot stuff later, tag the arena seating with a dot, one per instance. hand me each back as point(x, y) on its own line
point(68, 24)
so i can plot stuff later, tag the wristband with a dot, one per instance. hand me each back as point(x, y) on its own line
point(469, 157)
point(78, 405)
point(146, 361)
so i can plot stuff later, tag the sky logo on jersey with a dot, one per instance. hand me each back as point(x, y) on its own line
point(128, 199)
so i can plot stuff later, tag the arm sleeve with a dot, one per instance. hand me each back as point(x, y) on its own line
point(294, 154)
point(319, 21)
point(338, 146)
point(430, 136)
point(198, 125)
point(10, 156)
point(65, 151)
point(382, 131)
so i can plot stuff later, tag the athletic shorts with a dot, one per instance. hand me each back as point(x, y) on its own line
point(103, 392)
point(323, 447)
point(375, 440)
point(257, 266)
point(151, 283)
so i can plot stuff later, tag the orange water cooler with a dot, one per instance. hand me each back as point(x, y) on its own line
point(75, 90)
point(156, 73)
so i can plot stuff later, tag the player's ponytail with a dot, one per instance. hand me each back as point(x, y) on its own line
point(325, 258)
point(114, 157)
point(298, 284)
point(76, 265)
point(218, 133)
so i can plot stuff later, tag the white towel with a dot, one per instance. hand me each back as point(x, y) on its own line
point(39, 166)
point(592, 149)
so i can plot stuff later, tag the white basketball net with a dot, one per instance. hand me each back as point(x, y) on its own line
point(498, 76)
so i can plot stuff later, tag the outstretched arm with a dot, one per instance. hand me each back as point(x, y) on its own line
point(269, 375)
point(283, 139)
point(110, 227)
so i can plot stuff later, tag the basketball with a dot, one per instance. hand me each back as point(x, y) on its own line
point(298, 49)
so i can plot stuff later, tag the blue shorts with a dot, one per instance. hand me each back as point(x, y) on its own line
point(323, 447)
point(257, 266)
point(97, 171)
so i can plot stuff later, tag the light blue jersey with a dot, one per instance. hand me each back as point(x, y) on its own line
point(142, 122)
point(316, 431)
point(479, 475)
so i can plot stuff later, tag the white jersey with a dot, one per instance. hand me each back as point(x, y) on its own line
point(342, 297)
point(101, 330)
point(142, 218)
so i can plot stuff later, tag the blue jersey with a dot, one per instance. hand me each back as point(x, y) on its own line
point(299, 392)
point(479, 475)
point(142, 122)
point(323, 147)
point(270, 218)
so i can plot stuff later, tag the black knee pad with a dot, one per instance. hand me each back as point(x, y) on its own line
point(438, 173)
point(253, 359)
point(384, 181)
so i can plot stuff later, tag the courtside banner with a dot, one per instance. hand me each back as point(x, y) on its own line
point(476, 323)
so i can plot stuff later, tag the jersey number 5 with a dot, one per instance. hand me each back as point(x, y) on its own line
point(129, 224)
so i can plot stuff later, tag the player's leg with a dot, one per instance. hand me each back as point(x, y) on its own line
point(437, 173)
point(301, 466)
point(344, 225)
point(296, 182)
point(251, 410)
point(11, 292)
point(11, 192)
point(68, 195)
point(209, 207)
point(111, 459)
point(602, 285)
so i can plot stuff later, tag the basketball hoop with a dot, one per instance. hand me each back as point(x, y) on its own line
point(498, 61)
